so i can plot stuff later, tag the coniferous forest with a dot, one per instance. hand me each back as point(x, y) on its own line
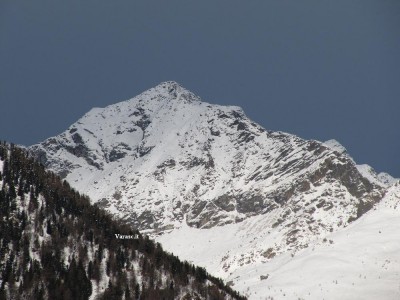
point(55, 245)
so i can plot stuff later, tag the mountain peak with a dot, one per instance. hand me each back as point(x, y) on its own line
point(172, 89)
point(335, 146)
point(169, 83)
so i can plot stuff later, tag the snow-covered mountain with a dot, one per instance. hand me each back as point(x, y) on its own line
point(175, 166)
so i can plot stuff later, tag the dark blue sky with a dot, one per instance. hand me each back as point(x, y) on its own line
point(319, 69)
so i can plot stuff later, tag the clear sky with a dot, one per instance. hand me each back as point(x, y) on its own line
point(318, 69)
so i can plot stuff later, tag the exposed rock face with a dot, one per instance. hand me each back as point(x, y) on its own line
point(165, 157)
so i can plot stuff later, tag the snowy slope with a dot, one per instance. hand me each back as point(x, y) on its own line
point(361, 261)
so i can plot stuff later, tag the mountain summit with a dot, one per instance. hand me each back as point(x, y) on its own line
point(176, 91)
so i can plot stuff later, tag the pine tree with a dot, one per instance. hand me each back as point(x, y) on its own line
point(137, 291)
